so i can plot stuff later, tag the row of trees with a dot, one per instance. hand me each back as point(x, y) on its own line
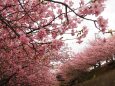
point(95, 55)
point(29, 33)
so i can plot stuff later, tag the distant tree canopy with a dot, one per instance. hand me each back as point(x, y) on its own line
point(100, 51)
point(31, 30)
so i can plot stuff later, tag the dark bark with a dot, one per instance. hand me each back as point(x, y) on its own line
point(5, 80)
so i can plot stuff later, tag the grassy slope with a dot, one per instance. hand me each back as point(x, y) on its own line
point(102, 77)
point(107, 79)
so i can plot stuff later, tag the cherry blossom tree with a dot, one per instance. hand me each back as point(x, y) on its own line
point(34, 22)
point(29, 29)
point(98, 51)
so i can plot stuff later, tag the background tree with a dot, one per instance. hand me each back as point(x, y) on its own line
point(29, 29)
point(95, 56)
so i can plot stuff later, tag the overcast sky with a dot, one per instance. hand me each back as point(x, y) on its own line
point(109, 14)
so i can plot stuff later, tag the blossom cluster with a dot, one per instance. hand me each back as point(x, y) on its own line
point(98, 51)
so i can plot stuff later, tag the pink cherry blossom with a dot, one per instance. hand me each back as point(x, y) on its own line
point(31, 29)
point(41, 34)
point(102, 23)
point(24, 39)
point(56, 44)
point(97, 8)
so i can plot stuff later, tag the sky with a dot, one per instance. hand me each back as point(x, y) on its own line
point(109, 13)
